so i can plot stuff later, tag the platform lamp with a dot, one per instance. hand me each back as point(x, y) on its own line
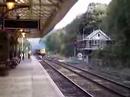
point(10, 4)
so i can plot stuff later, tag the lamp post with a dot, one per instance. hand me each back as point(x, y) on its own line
point(10, 4)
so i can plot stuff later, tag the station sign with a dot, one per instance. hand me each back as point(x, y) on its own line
point(20, 23)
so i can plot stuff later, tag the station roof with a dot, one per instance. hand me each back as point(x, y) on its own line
point(49, 12)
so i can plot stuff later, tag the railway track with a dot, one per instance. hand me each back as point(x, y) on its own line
point(92, 72)
point(67, 86)
point(99, 76)
point(102, 74)
point(114, 88)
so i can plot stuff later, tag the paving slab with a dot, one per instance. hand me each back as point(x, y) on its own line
point(29, 79)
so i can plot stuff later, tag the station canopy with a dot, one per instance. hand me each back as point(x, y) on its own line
point(48, 12)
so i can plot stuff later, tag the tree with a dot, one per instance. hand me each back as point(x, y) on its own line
point(117, 25)
point(54, 41)
point(93, 18)
point(64, 39)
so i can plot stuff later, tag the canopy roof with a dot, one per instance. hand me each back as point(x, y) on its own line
point(49, 12)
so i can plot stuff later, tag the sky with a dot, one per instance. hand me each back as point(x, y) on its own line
point(79, 8)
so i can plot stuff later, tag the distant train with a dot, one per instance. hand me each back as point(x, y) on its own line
point(41, 52)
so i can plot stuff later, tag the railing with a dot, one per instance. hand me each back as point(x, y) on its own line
point(81, 38)
point(91, 47)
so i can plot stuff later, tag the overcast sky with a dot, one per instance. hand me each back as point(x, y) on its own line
point(79, 8)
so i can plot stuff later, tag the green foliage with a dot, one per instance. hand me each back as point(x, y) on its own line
point(54, 42)
point(117, 25)
point(93, 20)
point(89, 21)
point(62, 41)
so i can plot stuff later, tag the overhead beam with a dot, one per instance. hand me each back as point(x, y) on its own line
point(57, 4)
point(65, 7)
point(49, 5)
point(52, 2)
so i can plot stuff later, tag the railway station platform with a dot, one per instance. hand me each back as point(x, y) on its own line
point(29, 79)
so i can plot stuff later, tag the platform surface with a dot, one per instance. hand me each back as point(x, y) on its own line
point(29, 79)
